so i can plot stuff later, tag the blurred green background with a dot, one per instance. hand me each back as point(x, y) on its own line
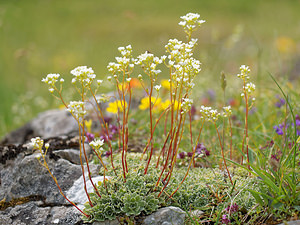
point(38, 37)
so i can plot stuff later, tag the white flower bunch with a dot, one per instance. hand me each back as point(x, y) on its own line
point(123, 63)
point(186, 105)
point(97, 145)
point(84, 75)
point(245, 71)
point(157, 87)
point(37, 143)
point(76, 108)
point(227, 111)
point(209, 114)
point(250, 87)
point(51, 79)
point(190, 22)
point(179, 51)
point(149, 63)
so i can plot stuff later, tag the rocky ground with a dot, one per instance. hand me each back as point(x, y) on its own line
point(28, 194)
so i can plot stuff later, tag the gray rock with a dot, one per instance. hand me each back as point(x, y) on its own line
point(197, 213)
point(107, 222)
point(295, 222)
point(24, 176)
point(33, 214)
point(72, 155)
point(77, 193)
point(166, 216)
point(48, 124)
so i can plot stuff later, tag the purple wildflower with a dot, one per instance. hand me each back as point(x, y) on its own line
point(202, 150)
point(181, 155)
point(90, 136)
point(107, 154)
point(280, 102)
point(225, 219)
point(232, 208)
point(269, 144)
point(113, 129)
point(190, 154)
point(275, 157)
point(211, 94)
point(278, 129)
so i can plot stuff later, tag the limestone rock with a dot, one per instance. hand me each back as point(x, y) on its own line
point(24, 176)
point(34, 213)
point(51, 123)
point(166, 216)
point(295, 222)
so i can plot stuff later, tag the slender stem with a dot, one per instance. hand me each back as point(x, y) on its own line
point(60, 190)
point(106, 130)
point(82, 167)
point(230, 126)
point(151, 126)
point(87, 162)
point(222, 151)
point(192, 160)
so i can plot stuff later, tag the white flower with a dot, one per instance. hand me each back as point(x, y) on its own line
point(37, 143)
point(157, 87)
point(51, 90)
point(250, 87)
point(99, 82)
point(209, 114)
point(83, 74)
point(51, 79)
point(76, 108)
point(61, 80)
point(186, 105)
point(245, 71)
point(191, 22)
point(47, 145)
point(96, 143)
point(128, 79)
point(227, 111)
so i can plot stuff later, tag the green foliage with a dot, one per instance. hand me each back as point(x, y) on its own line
point(138, 194)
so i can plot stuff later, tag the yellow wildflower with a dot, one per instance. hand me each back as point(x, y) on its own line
point(285, 45)
point(114, 107)
point(165, 84)
point(88, 124)
point(167, 103)
point(145, 103)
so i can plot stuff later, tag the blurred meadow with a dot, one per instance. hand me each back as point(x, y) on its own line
point(38, 37)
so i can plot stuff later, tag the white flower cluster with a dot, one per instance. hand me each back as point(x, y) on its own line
point(180, 58)
point(209, 114)
point(227, 111)
point(123, 63)
point(51, 79)
point(76, 108)
point(96, 144)
point(102, 98)
point(186, 105)
point(84, 75)
point(250, 87)
point(157, 87)
point(190, 22)
point(149, 63)
point(245, 71)
point(37, 143)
